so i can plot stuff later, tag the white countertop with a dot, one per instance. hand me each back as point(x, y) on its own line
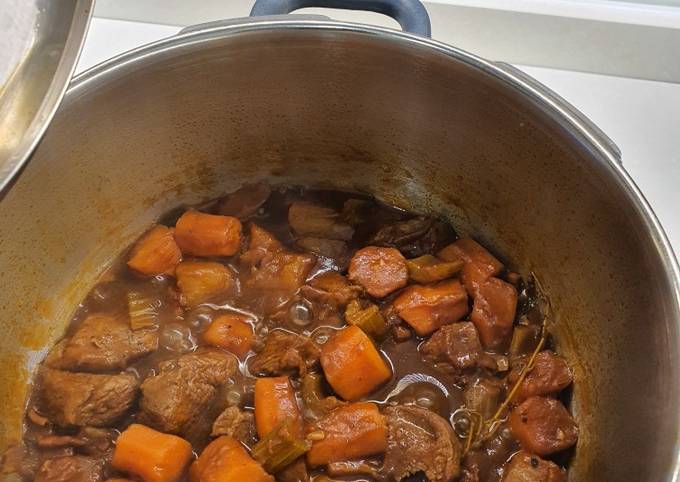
point(641, 116)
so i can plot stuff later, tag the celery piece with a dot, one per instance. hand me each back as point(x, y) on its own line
point(280, 447)
point(428, 269)
point(369, 319)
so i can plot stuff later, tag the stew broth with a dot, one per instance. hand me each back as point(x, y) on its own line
point(266, 330)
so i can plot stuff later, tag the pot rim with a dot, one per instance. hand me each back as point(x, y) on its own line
point(601, 148)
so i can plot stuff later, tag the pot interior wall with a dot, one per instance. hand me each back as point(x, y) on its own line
point(414, 126)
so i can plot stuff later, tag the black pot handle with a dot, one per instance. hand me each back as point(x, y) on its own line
point(410, 14)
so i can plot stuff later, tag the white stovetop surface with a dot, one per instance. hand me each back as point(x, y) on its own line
point(642, 117)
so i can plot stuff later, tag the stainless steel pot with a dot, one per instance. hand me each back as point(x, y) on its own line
point(420, 124)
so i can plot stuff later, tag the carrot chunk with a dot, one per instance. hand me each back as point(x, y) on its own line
point(151, 455)
point(350, 432)
point(493, 312)
point(201, 234)
point(427, 308)
point(232, 332)
point(479, 266)
point(543, 426)
point(156, 252)
point(226, 460)
point(352, 364)
point(200, 281)
point(379, 270)
point(274, 403)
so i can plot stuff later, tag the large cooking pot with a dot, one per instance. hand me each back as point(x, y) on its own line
point(418, 123)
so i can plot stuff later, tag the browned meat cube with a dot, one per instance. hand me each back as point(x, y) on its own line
point(543, 426)
point(493, 313)
point(329, 248)
point(68, 399)
point(549, 374)
point(479, 266)
point(244, 202)
point(184, 389)
point(379, 270)
point(414, 237)
point(428, 307)
point(285, 353)
point(331, 288)
point(308, 219)
point(102, 343)
point(271, 266)
point(456, 347)
point(419, 440)
point(525, 467)
point(236, 423)
point(73, 468)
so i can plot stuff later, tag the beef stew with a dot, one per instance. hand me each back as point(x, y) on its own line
point(225, 345)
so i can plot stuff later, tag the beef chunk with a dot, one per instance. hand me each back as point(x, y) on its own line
point(455, 348)
point(85, 399)
point(244, 202)
point(549, 374)
point(525, 467)
point(421, 441)
point(543, 426)
point(102, 343)
point(493, 312)
point(329, 248)
point(91, 441)
point(285, 353)
point(75, 468)
point(270, 267)
point(308, 219)
point(235, 423)
point(414, 237)
point(184, 389)
point(331, 288)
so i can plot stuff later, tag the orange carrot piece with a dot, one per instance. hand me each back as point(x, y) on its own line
point(199, 281)
point(153, 456)
point(226, 460)
point(350, 432)
point(493, 312)
point(232, 332)
point(156, 252)
point(275, 402)
point(352, 364)
point(427, 308)
point(479, 266)
point(379, 270)
point(201, 234)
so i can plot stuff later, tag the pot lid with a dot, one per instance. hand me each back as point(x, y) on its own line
point(39, 48)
